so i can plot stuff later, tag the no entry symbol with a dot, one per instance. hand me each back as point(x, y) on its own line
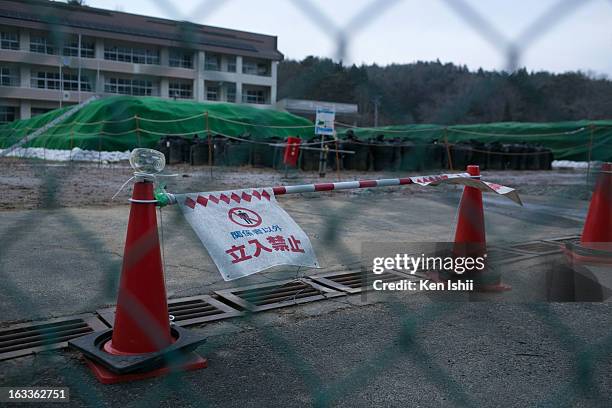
point(244, 217)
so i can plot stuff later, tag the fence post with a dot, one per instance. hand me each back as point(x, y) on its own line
point(592, 130)
point(23, 147)
point(138, 129)
point(323, 158)
point(448, 152)
point(210, 158)
point(71, 142)
point(337, 159)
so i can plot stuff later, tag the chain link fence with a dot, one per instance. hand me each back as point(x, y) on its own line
point(51, 184)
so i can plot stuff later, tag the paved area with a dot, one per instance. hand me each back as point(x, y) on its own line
point(67, 261)
point(386, 350)
point(409, 353)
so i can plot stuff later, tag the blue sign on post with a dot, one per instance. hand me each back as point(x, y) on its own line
point(324, 121)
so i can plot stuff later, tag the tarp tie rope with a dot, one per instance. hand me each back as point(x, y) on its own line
point(145, 175)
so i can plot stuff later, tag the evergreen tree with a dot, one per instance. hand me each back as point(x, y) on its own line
point(436, 92)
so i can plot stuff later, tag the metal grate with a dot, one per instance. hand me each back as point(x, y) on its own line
point(187, 311)
point(355, 281)
point(256, 298)
point(538, 247)
point(29, 338)
point(573, 239)
point(498, 255)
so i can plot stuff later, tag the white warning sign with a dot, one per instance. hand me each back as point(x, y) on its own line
point(246, 231)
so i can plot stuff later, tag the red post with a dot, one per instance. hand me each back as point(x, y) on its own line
point(292, 151)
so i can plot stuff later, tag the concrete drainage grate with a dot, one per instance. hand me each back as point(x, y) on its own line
point(537, 247)
point(29, 338)
point(355, 281)
point(187, 311)
point(256, 298)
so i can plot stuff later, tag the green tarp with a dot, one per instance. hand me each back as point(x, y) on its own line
point(567, 140)
point(121, 123)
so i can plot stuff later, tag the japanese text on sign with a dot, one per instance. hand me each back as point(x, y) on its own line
point(246, 231)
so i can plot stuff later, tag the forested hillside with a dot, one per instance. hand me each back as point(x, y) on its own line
point(432, 92)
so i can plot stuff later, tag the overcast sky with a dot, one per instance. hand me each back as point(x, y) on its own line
point(410, 30)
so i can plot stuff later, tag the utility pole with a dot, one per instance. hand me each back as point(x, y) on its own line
point(376, 101)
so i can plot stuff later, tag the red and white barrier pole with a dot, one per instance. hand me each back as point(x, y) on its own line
point(455, 178)
point(341, 185)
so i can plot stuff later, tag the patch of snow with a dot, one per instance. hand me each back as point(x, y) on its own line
point(75, 154)
point(568, 164)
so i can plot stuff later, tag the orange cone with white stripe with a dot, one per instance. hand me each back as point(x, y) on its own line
point(596, 241)
point(597, 232)
point(470, 235)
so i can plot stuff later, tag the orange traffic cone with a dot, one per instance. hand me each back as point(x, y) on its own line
point(141, 318)
point(142, 343)
point(597, 232)
point(470, 238)
point(596, 240)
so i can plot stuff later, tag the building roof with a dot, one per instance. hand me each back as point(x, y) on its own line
point(308, 106)
point(85, 20)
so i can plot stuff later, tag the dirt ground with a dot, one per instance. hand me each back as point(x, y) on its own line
point(27, 184)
